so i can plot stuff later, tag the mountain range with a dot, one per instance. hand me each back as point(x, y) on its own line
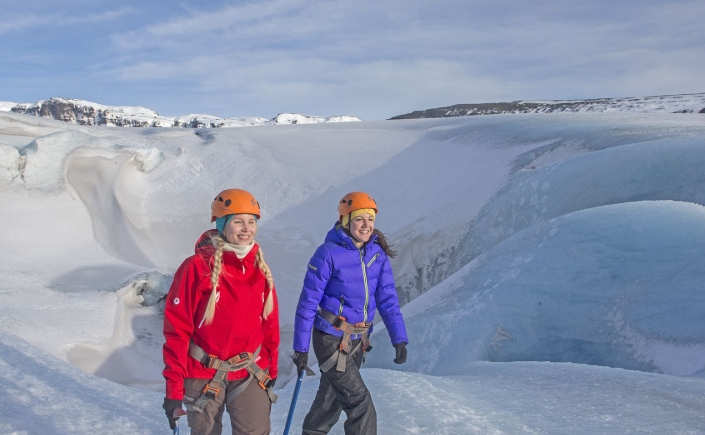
point(83, 112)
point(683, 103)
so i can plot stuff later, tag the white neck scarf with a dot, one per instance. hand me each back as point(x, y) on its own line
point(239, 250)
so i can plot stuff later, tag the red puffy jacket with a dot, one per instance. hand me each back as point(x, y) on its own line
point(237, 327)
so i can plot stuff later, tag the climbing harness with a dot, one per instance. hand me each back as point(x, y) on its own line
point(349, 329)
point(245, 360)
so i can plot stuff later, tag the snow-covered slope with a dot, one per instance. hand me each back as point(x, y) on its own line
point(83, 112)
point(41, 394)
point(684, 103)
point(491, 215)
point(6, 106)
point(599, 286)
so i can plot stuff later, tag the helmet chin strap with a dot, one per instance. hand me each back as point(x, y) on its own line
point(353, 237)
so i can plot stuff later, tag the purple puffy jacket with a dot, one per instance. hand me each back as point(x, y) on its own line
point(358, 280)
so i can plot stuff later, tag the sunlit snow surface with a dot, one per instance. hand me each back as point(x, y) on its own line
point(573, 238)
point(617, 285)
point(41, 395)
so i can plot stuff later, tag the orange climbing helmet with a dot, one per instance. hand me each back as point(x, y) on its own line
point(234, 201)
point(355, 201)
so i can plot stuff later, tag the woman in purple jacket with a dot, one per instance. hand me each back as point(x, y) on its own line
point(347, 279)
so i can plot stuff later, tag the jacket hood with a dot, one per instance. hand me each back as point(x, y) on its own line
point(204, 247)
point(339, 236)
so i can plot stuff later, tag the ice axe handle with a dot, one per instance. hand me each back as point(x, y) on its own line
point(293, 402)
point(178, 412)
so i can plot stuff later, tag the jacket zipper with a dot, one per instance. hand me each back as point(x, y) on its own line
point(367, 290)
point(373, 260)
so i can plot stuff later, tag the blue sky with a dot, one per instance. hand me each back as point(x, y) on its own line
point(371, 59)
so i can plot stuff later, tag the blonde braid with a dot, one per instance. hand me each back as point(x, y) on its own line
point(215, 274)
point(269, 302)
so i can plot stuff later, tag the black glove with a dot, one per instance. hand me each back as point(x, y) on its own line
point(169, 406)
point(300, 361)
point(271, 384)
point(401, 353)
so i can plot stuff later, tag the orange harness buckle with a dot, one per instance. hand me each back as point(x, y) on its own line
point(211, 391)
point(340, 323)
point(266, 383)
point(213, 362)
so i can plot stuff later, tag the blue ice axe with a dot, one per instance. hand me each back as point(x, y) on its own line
point(293, 402)
point(178, 412)
point(309, 372)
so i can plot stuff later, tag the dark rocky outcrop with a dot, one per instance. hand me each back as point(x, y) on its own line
point(78, 112)
point(87, 113)
point(686, 103)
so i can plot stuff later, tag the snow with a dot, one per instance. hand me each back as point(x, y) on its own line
point(294, 118)
point(88, 113)
point(6, 106)
point(9, 163)
point(526, 398)
point(43, 395)
point(685, 103)
point(597, 286)
point(598, 217)
point(490, 398)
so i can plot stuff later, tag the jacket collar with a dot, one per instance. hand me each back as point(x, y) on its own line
point(339, 236)
point(205, 248)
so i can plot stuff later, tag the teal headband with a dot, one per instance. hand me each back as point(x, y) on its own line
point(221, 222)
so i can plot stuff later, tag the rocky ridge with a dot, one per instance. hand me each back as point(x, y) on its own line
point(684, 103)
point(83, 112)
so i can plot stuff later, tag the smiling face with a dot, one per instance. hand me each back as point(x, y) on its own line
point(241, 229)
point(361, 227)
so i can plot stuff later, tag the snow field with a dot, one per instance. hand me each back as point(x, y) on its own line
point(43, 395)
point(531, 237)
point(598, 286)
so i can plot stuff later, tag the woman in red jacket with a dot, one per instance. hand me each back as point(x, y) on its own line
point(221, 325)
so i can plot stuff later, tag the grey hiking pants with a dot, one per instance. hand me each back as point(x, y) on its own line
point(340, 391)
point(249, 411)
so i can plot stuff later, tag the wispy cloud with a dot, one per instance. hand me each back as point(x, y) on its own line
point(375, 59)
point(371, 90)
point(29, 21)
point(419, 52)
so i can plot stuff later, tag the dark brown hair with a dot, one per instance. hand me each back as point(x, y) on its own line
point(382, 241)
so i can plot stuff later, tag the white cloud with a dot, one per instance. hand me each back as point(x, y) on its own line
point(58, 19)
point(379, 89)
point(411, 54)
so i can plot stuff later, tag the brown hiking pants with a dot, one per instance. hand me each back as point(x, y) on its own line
point(249, 411)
